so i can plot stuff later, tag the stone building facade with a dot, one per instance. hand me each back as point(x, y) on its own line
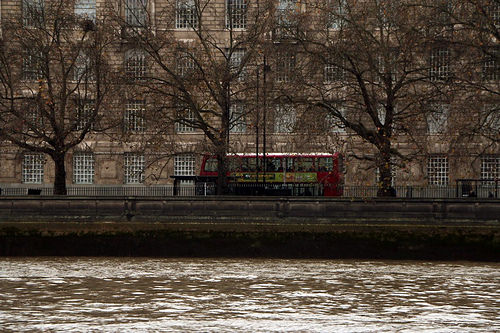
point(143, 147)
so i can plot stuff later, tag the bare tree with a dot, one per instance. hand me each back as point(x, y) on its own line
point(377, 67)
point(200, 66)
point(475, 27)
point(54, 80)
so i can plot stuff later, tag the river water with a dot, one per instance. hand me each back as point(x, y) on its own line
point(246, 295)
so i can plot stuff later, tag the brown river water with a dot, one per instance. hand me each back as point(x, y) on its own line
point(60, 294)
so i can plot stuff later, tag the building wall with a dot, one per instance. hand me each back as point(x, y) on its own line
point(109, 149)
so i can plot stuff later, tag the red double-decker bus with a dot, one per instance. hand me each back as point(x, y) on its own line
point(280, 173)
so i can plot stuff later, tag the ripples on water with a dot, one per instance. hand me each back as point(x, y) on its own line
point(250, 295)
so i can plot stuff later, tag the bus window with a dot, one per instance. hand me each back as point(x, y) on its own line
point(211, 165)
point(234, 164)
point(274, 164)
point(244, 164)
point(248, 164)
point(325, 164)
point(289, 164)
point(304, 164)
point(252, 165)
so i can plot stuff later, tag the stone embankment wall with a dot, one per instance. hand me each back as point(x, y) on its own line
point(460, 229)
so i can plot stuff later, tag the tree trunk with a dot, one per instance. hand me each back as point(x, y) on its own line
point(384, 164)
point(221, 173)
point(60, 174)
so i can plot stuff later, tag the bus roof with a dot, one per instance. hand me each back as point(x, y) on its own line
point(285, 154)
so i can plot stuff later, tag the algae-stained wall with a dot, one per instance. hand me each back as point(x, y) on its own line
point(251, 240)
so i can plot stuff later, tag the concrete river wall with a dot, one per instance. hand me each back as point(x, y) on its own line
point(291, 227)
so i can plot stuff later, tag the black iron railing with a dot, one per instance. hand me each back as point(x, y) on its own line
point(461, 189)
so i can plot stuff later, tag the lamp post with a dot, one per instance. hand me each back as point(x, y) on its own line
point(266, 69)
point(257, 120)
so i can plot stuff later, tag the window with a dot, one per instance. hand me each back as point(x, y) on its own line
point(134, 166)
point(33, 116)
point(334, 70)
point(184, 166)
point(238, 118)
point(235, 62)
point(437, 170)
point(440, 59)
point(135, 64)
point(386, 12)
point(187, 14)
point(338, 10)
point(284, 18)
point(334, 124)
point(83, 168)
point(381, 113)
point(85, 114)
point(491, 68)
point(325, 164)
point(444, 11)
point(33, 165)
point(185, 119)
point(185, 65)
point(285, 66)
point(85, 9)
point(437, 119)
point(385, 67)
point(136, 12)
point(32, 65)
point(33, 13)
point(490, 168)
point(236, 14)
point(491, 116)
point(82, 70)
point(284, 118)
point(134, 118)
point(494, 13)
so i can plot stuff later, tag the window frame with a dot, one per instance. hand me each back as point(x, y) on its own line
point(438, 170)
point(186, 14)
point(333, 72)
point(134, 167)
point(134, 120)
point(337, 10)
point(33, 168)
point(285, 118)
point(284, 19)
point(36, 17)
point(490, 65)
point(185, 65)
point(490, 169)
point(136, 12)
point(86, 9)
point(182, 127)
point(136, 66)
point(286, 63)
point(185, 165)
point(85, 109)
point(437, 118)
point(83, 69)
point(440, 63)
point(83, 168)
point(238, 121)
point(236, 58)
point(32, 65)
point(240, 15)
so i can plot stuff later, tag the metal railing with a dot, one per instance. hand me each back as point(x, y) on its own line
point(207, 189)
